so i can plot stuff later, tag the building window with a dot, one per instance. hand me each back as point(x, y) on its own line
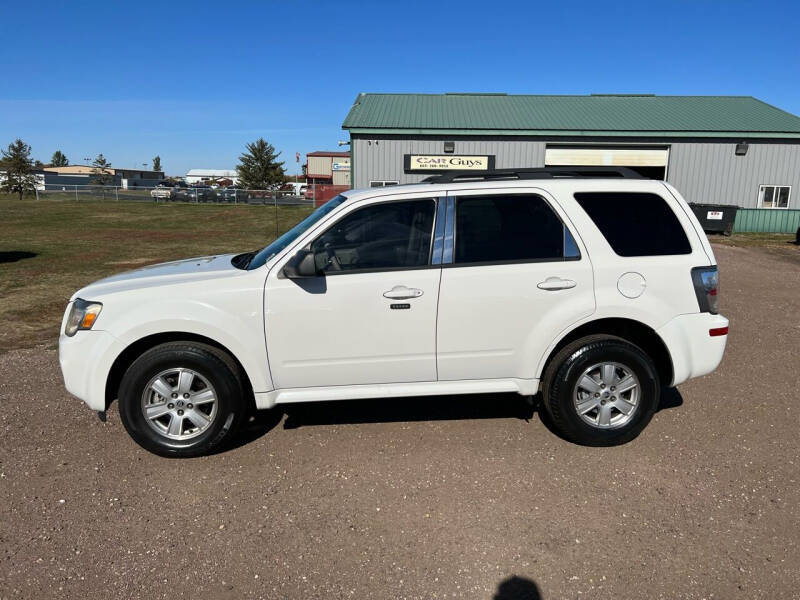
point(373, 184)
point(774, 196)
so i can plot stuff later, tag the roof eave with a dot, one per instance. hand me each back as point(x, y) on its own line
point(575, 133)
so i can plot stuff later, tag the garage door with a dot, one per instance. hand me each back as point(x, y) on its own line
point(605, 157)
point(649, 162)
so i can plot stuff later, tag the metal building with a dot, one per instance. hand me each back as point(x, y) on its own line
point(734, 150)
point(328, 167)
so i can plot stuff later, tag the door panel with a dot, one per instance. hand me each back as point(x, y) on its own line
point(341, 330)
point(497, 319)
point(500, 326)
point(371, 317)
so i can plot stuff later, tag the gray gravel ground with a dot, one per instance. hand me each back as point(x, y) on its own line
point(458, 497)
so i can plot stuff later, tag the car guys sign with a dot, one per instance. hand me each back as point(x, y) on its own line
point(427, 163)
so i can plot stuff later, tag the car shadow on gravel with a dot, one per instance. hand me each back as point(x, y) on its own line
point(431, 408)
point(259, 424)
point(394, 410)
point(426, 408)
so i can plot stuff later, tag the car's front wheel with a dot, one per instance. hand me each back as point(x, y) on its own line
point(601, 391)
point(182, 399)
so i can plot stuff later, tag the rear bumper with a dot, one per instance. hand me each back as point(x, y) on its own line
point(86, 361)
point(693, 350)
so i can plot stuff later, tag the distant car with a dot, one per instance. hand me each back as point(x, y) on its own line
point(308, 192)
point(167, 189)
point(196, 193)
point(230, 194)
point(162, 192)
point(295, 187)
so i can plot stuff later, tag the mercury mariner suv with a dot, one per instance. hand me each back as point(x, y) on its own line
point(592, 286)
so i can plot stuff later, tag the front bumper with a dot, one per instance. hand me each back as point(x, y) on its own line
point(86, 360)
point(693, 350)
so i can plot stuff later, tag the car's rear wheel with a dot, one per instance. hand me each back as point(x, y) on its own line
point(182, 399)
point(601, 391)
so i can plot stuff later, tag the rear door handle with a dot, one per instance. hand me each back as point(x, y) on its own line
point(401, 292)
point(556, 283)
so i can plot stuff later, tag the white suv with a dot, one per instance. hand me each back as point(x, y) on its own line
point(593, 286)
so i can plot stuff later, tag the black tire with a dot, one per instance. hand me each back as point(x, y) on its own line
point(561, 376)
point(215, 366)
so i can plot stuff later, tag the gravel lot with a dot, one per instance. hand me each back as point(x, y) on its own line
point(465, 497)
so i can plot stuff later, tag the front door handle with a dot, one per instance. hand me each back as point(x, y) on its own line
point(401, 292)
point(556, 283)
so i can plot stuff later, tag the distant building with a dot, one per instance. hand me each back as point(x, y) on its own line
point(327, 174)
point(326, 167)
point(37, 173)
point(82, 175)
point(208, 175)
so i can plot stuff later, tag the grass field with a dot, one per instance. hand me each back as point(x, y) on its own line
point(50, 248)
point(754, 239)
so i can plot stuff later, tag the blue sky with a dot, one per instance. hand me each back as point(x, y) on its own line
point(195, 81)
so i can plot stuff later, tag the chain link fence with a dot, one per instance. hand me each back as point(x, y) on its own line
point(195, 195)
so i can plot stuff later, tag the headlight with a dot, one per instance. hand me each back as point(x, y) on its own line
point(82, 315)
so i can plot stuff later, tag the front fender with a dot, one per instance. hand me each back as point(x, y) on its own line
point(229, 311)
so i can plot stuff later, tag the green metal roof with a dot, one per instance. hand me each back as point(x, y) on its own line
point(501, 114)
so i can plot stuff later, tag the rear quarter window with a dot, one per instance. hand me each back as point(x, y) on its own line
point(635, 223)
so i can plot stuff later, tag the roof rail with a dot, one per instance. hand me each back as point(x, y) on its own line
point(537, 173)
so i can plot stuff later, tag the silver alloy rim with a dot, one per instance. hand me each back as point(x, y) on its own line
point(179, 403)
point(607, 395)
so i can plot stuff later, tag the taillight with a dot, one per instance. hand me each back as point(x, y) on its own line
point(706, 287)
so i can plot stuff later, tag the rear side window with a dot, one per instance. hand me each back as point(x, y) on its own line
point(509, 229)
point(635, 224)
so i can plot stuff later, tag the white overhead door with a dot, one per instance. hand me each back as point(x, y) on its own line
point(606, 157)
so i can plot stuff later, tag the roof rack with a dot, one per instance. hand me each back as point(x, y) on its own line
point(538, 173)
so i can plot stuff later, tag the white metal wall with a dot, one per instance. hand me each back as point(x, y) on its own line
point(704, 172)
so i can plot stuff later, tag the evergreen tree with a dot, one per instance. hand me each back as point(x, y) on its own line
point(258, 168)
point(101, 171)
point(17, 164)
point(157, 163)
point(59, 159)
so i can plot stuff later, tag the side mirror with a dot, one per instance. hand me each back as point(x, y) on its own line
point(301, 266)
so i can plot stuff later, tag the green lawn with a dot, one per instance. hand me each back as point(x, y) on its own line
point(50, 248)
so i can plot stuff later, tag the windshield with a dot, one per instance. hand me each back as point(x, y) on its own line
point(287, 238)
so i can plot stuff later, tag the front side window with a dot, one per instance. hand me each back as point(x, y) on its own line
point(514, 228)
point(388, 235)
point(635, 223)
point(774, 196)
